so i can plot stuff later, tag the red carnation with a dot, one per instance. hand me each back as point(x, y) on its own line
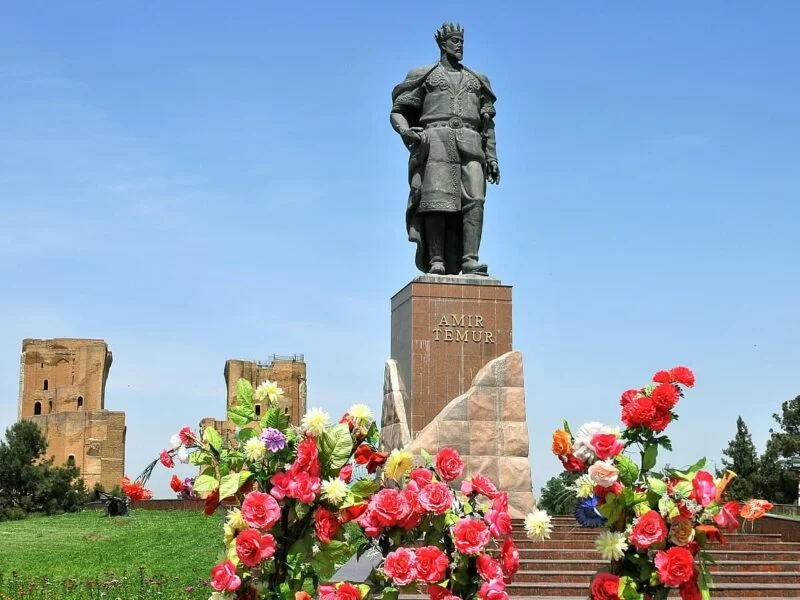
point(664, 396)
point(628, 397)
point(187, 436)
point(176, 484)
point(166, 459)
point(662, 377)
point(660, 420)
point(639, 412)
point(572, 463)
point(682, 375)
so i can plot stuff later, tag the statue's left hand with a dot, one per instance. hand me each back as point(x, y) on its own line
point(493, 172)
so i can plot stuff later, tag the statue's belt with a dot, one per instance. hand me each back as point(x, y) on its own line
point(452, 123)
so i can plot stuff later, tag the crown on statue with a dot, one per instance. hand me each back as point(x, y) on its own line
point(448, 30)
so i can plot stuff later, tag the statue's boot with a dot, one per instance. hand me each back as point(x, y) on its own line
point(472, 221)
point(434, 236)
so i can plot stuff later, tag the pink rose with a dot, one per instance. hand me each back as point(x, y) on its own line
point(224, 577)
point(390, 507)
point(704, 490)
point(606, 445)
point(346, 473)
point(436, 498)
point(500, 502)
point(304, 487)
point(449, 464)
point(370, 524)
point(252, 547)
point(603, 473)
point(280, 485)
point(431, 564)
point(727, 518)
point(493, 590)
point(499, 523)
point(260, 510)
point(471, 536)
point(489, 568)
point(483, 485)
point(421, 477)
point(400, 565)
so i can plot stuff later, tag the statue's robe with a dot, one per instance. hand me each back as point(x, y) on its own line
point(447, 170)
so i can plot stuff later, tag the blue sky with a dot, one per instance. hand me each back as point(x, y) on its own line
point(193, 182)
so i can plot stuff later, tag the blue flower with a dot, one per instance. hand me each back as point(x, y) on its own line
point(587, 514)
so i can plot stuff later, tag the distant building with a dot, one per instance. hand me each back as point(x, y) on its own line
point(288, 371)
point(62, 389)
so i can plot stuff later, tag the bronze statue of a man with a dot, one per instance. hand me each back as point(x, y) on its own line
point(445, 116)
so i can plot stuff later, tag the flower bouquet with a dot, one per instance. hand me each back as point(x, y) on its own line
point(301, 501)
point(658, 524)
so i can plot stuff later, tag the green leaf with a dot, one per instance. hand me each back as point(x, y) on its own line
point(613, 507)
point(298, 551)
point(627, 589)
point(363, 488)
point(244, 391)
point(667, 507)
point(390, 593)
point(245, 434)
point(201, 458)
point(276, 419)
point(628, 471)
point(338, 550)
point(212, 437)
point(230, 484)
point(426, 457)
point(373, 435)
point(301, 510)
point(335, 446)
point(323, 565)
point(566, 427)
point(205, 484)
point(241, 415)
point(649, 457)
point(657, 485)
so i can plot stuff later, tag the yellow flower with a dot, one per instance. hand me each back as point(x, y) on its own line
point(235, 520)
point(584, 486)
point(315, 421)
point(334, 490)
point(255, 449)
point(398, 464)
point(361, 413)
point(538, 525)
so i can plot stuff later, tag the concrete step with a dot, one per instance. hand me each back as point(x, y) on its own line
point(739, 544)
point(747, 566)
point(591, 534)
point(583, 577)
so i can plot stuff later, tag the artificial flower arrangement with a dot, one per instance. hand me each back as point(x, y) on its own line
point(657, 523)
point(301, 501)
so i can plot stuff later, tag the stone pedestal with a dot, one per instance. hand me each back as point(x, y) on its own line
point(444, 330)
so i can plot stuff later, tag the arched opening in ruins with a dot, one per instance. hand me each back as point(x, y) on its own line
point(71, 460)
point(80, 401)
point(258, 410)
point(44, 386)
point(37, 408)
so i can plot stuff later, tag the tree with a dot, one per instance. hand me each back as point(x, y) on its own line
point(741, 458)
point(777, 479)
point(558, 495)
point(29, 484)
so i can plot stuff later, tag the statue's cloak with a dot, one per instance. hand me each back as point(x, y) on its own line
point(407, 98)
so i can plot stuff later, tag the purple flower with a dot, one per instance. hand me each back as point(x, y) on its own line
point(273, 438)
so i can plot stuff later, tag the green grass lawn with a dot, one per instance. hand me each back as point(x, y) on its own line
point(142, 554)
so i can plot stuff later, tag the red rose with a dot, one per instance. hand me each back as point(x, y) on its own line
point(176, 484)
point(471, 536)
point(662, 377)
point(639, 412)
point(307, 460)
point(605, 586)
point(400, 565)
point(660, 420)
point(682, 375)
point(675, 566)
point(649, 529)
point(390, 507)
point(489, 568)
point(436, 498)
point(211, 503)
point(260, 510)
point(352, 512)
point(363, 452)
point(493, 590)
point(727, 518)
point(509, 556)
point(449, 464)
point(601, 492)
point(606, 445)
point(690, 590)
point(704, 490)
point(346, 473)
point(326, 524)
point(483, 485)
point(376, 460)
point(414, 517)
point(664, 396)
point(437, 592)
point(431, 564)
point(224, 577)
point(347, 591)
point(420, 478)
point(628, 397)
point(166, 459)
point(252, 547)
point(572, 463)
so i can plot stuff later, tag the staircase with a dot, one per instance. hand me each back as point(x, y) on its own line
point(748, 566)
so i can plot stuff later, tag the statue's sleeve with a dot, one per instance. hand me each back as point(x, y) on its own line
point(488, 113)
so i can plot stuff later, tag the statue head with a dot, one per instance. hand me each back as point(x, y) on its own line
point(450, 38)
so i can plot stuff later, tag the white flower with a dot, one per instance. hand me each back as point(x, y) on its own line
point(584, 486)
point(611, 545)
point(254, 449)
point(582, 446)
point(603, 473)
point(315, 421)
point(175, 441)
point(220, 596)
point(183, 455)
point(334, 490)
point(268, 390)
point(538, 525)
point(361, 413)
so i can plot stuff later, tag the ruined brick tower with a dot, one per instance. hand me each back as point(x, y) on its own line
point(288, 371)
point(62, 389)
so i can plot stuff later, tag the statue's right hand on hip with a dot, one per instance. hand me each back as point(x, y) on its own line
point(412, 137)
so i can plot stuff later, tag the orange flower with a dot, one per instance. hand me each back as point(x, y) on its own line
point(723, 483)
point(562, 443)
point(712, 533)
point(755, 509)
